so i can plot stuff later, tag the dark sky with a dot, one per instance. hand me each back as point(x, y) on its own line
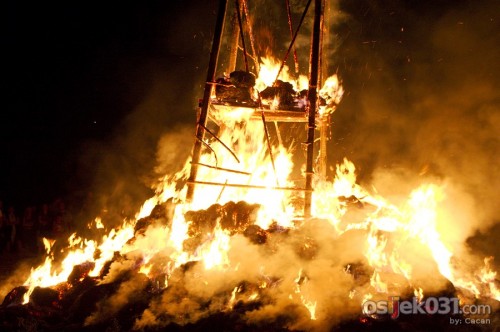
point(90, 87)
point(74, 71)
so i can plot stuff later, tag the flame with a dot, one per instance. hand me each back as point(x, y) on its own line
point(96, 223)
point(308, 304)
point(48, 244)
point(422, 224)
point(252, 156)
point(111, 243)
point(233, 297)
point(332, 93)
point(44, 276)
point(145, 269)
point(487, 276)
point(419, 294)
point(386, 226)
point(268, 70)
point(82, 251)
point(215, 253)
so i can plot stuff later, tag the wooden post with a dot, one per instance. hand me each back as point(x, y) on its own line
point(235, 39)
point(202, 120)
point(312, 97)
point(323, 138)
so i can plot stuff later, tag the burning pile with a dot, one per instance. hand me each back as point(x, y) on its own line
point(243, 89)
point(242, 258)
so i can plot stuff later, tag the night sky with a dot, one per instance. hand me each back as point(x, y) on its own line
point(91, 87)
point(75, 74)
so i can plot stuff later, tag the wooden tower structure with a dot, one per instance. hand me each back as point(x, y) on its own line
point(307, 113)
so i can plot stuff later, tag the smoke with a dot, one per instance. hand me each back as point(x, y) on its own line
point(173, 148)
point(129, 291)
point(283, 273)
point(17, 276)
point(120, 169)
point(421, 104)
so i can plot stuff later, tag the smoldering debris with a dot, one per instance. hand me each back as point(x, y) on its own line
point(287, 279)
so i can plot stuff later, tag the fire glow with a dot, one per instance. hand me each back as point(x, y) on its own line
point(250, 245)
point(384, 225)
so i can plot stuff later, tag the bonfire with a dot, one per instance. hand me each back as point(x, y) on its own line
point(252, 233)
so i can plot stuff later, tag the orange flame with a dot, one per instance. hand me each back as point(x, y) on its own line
point(385, 225)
